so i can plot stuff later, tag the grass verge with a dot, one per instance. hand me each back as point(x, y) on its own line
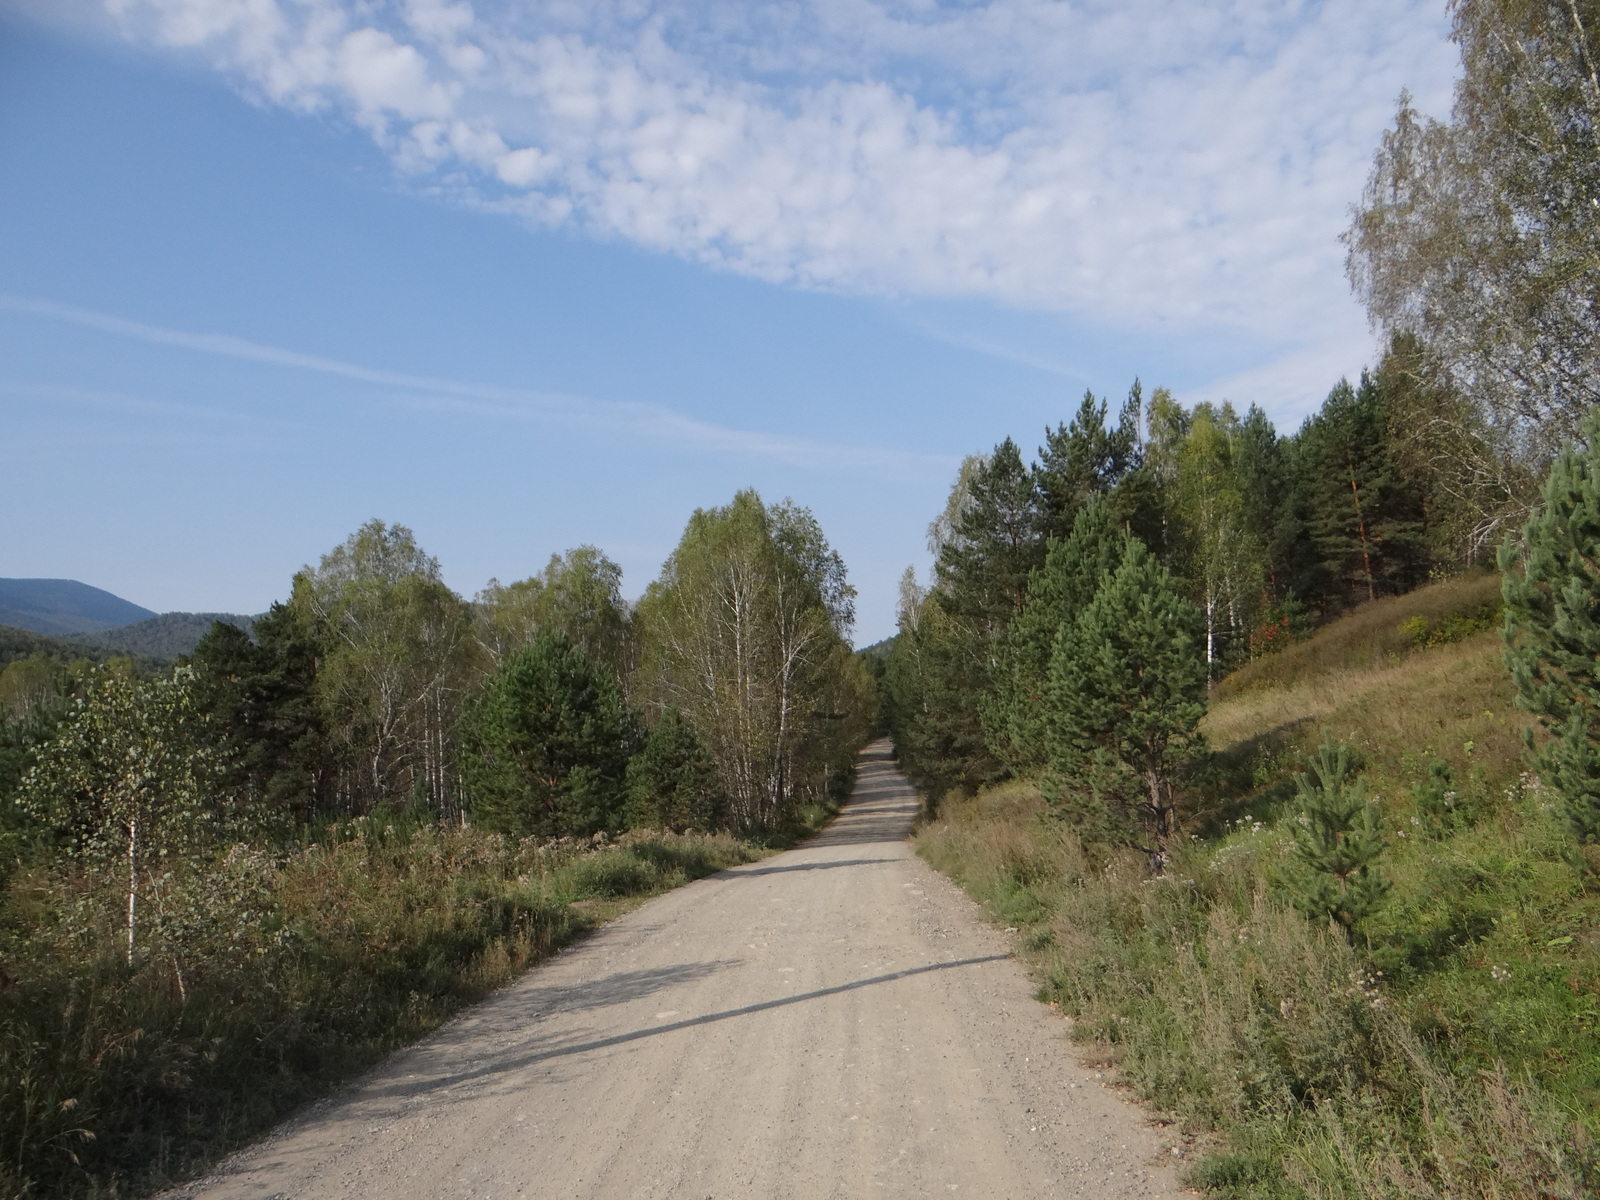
point(1452, 1051)
point(117, 1080)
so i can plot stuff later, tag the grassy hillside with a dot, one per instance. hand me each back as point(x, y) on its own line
point(167, 637)
point(1452, 1050)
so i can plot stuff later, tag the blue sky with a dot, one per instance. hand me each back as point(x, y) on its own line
point(525, 276)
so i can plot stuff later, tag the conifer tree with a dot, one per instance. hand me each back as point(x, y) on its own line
point(1337, 843)
point(1127, 691)
point(1552, 628)
point(546, 744)
point(1014, 715)
point(1365, 520)
point(993, 542)
point(672, 781)
point(1086, 458)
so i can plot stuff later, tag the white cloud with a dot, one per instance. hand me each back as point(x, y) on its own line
point(1146, 161)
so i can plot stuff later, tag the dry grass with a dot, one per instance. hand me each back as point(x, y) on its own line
point(1451, 702)
point(116, 1080)
point(1376, 635)
point(1453, 1051)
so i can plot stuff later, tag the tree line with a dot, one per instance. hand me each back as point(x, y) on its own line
point(728, 697)
point(1081, 602)
point(1244, 539)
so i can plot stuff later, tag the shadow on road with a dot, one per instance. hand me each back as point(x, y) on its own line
point(741, 872)
point(503, 1063)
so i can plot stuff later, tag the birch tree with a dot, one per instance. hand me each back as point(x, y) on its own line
point(129, 786)
point(744, 633)
point(1481, 234)
point(579, 595)
point(400, 658)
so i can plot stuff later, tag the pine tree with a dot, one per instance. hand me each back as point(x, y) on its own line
point(1366, 521)
point(546, 744)
point(260, 697)
point(1337, 844)
point(1014, 715)
point(1127, 691)
point(1552, 628)
point(993, 544)
point(672, 781)
point(1086, 459)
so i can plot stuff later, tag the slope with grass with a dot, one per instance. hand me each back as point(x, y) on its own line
point(1452, 1050)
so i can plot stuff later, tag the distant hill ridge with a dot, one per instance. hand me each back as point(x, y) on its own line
point(166, 637)
point(77, 615)
point(61, 607)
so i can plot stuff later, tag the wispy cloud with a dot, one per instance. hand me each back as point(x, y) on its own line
point(1153, 162)
point(648, 421)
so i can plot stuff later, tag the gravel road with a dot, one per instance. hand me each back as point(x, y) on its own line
point(836, 1021)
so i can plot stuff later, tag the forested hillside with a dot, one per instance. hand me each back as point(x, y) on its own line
point(168, 637)
point(1280, 750)
point(226, 885)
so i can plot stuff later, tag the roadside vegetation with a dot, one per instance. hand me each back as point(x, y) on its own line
point(1280, 752)
point(1449, 1049)
point(227, 886)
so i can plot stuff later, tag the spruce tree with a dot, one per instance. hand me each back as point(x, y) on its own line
point(1552, 628)
point(1337, 844)
point(1127, 691)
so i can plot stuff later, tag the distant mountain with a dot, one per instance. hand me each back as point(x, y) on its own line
point(59, 607)
point(165, 637)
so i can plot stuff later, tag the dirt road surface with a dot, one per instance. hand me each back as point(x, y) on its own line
point(836, 1021)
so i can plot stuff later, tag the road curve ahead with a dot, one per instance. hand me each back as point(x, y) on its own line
point(836, 1021)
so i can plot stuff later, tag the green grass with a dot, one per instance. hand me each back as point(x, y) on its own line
point(1453, 1051)
point(115, 1081)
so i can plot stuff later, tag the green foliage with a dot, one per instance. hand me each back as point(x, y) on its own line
point(1337, 844)
point(264, 717)
point(396, 657)
point(1478, 235)
point(1441, 809)
point(672, 781)
point(223, 890)
point(129, 787)
point(578, 594)
point(545, 745)
point(745, 634)
point(1127, 691)
point(1015, 713)
point(1085, 459)
point(306, 966)
point(1364, 518)
point(1304, 1066)
point(1552, 628)
point(992, 544)
point(1456, 627)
